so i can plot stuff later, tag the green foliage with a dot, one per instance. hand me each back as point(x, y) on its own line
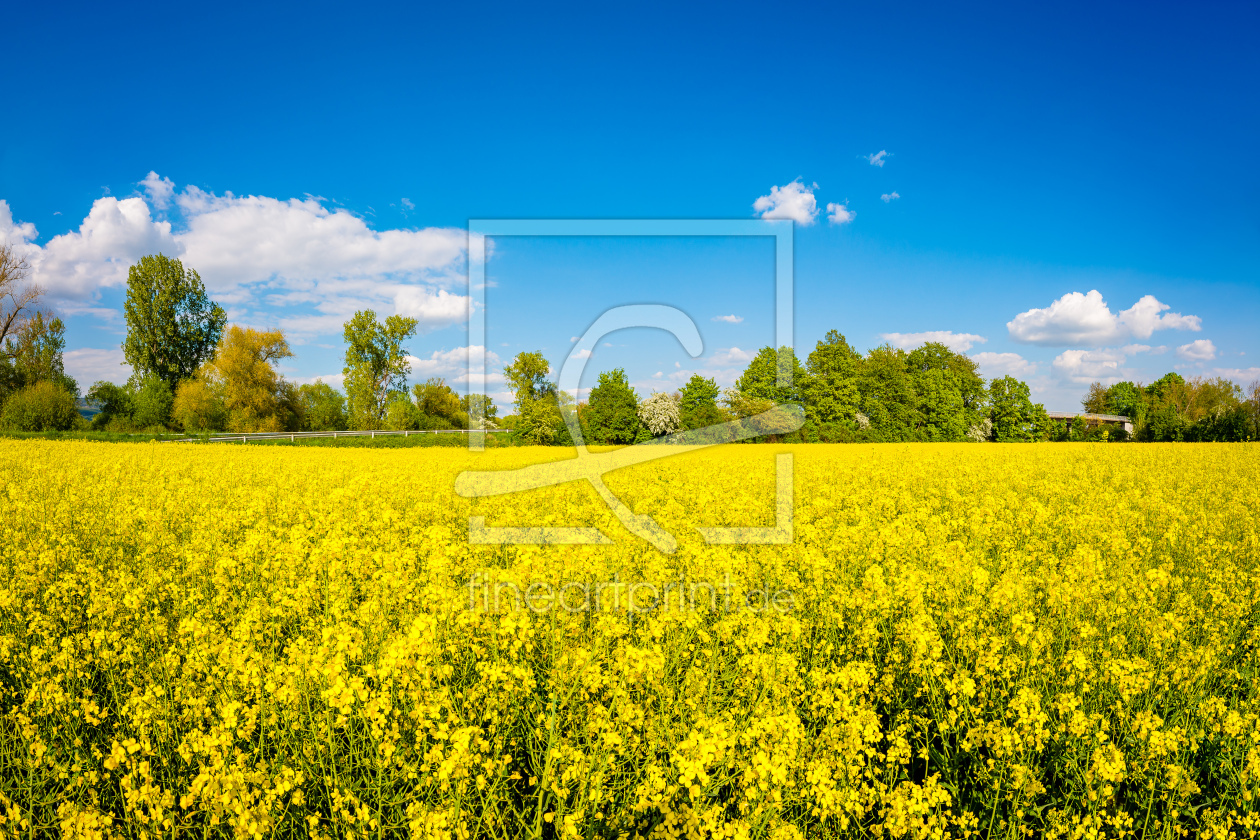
point(697, 403)
point(611, 416)
point(172, 326)
point(115, 403)
point(376, 365)
point(1125, 399)
point(1095, 401)
point(889, 401)
point(198, 407)
point(760, 380)
point(951, 396)
point(528, 377)
point(323, 407)
point(151, 402)
point(35, 355)
point(42, 407)
point(538, 418)
point(1015, 417)
point(1173, 408)
point(400, 415)
point(439, 403)
point(480, 409)
point(831, 386)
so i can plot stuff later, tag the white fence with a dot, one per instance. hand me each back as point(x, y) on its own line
point(224, 437)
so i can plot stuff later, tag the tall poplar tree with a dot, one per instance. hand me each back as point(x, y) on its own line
point(172, 326)
point(376, 365)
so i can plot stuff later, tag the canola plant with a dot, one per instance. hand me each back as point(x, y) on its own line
point(961, 640)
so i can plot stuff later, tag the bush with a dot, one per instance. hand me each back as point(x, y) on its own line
point(401, 415)
point(151, 403)
point(42, 407)
point(323, 408)
point(197, 408)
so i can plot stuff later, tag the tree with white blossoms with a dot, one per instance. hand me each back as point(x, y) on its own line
point(659, 413)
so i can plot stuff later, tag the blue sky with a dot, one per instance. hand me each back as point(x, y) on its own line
point(309, 160)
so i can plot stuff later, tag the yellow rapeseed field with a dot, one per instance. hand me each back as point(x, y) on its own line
point(1054, 640)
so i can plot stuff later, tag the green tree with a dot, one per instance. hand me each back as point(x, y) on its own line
point(528, 376)
point(831, 384)
point(323, 407)
point(760, 380)
point(889, 401)
point(114, 402)
point(198, 407)
point(151, 402)
point(481, 410)
point(1011, 409)
point(439, 405)
point(538, 419)
point(42, 407)
point(376, 365)
point(1095, 401)
point(698, 403)
point(1125, 399)
point(950, 393)
point(172, 326)
point(400, 414)
point(612, 410)
point(35, 354)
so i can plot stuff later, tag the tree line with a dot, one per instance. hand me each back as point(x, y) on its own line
point(193, 372)
point(888, 394)
point(1173, 408)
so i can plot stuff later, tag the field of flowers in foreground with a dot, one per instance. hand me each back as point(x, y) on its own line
point(981, 640)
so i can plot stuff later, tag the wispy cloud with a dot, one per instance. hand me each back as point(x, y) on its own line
point(878, 158)
point(730, 319)
point(1004, 364)
point(958, 342)
point(840, 214)
point(89, 365)
point(892, 196)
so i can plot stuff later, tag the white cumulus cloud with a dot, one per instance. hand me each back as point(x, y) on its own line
point(452, 365)
point(1085, 319)
point(1244, 376)
point(840, 214)
point(729, 356)
point(892, 196)
point(159, 190)
point(793, 201)
point(315, 264)
point(730, 319)
point(994, 365)
point(958, 342)
point(878, 158)
point(1085, 366)
point(1200, 350)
